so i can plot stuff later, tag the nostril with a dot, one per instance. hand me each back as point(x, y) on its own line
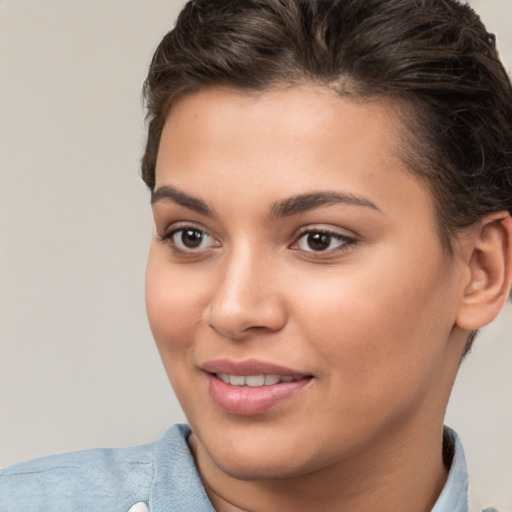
point(236, 323)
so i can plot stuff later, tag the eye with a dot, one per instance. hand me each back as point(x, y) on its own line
point(189, 239)
point(321, 241)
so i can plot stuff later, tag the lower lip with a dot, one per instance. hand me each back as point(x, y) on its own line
point(249, 401)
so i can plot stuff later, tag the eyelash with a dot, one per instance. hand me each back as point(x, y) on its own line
point(345, 242)
point(167, 239)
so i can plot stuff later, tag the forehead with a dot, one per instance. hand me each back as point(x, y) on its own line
point(291, 112)
point(224, 143)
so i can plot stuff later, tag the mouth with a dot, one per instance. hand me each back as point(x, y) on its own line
point(252, 370)
point(255, 381)
point(247, 388)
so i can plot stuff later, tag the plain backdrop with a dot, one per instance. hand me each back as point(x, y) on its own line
point(78, 367)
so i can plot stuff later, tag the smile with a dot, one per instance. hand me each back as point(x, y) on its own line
point(250, 387)
point(254, 381)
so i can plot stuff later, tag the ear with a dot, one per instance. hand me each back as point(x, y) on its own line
point(489, 263)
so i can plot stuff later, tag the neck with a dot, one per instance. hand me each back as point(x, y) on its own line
point(407, 476)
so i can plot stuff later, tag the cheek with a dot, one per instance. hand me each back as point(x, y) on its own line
point(174, 303)
point(382, 330)
point(174, 308)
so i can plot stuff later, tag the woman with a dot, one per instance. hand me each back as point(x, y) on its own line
point(331, 190)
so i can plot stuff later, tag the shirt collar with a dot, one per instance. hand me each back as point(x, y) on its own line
point(455, 494)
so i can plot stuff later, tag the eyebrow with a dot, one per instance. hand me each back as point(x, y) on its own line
point(176, 196)
point(305, 202)
point(291, 206)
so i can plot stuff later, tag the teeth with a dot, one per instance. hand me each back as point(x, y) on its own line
point(253, 380)
point(271, 379)
point(224, 377)
point(237, 380)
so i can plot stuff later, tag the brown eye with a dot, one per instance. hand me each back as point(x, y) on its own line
point(318, 241)
point(191, 238)
point(322, 241)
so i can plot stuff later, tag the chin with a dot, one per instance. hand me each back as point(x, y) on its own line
point(249, 456)
point(250, 469)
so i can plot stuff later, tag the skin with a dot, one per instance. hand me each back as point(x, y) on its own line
point(377, 319)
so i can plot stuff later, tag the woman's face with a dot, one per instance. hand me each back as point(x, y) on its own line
point(296, 287)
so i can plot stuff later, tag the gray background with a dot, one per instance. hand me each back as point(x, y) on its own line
point(78, 367)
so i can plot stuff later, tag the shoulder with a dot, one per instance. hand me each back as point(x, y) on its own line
point(107, 478)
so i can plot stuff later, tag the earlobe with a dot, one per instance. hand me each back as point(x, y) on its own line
point(490, 272)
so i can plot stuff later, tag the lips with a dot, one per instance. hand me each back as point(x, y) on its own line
point(251, 387)
point(254, 380)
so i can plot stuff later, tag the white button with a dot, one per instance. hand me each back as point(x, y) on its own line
point(139, 507)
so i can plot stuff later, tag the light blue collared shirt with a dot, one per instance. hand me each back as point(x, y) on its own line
point(160, 477)
point(456, 496)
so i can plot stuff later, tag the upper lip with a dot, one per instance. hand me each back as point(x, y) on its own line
point(249, 367)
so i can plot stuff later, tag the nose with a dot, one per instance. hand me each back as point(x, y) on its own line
point(246, 297)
